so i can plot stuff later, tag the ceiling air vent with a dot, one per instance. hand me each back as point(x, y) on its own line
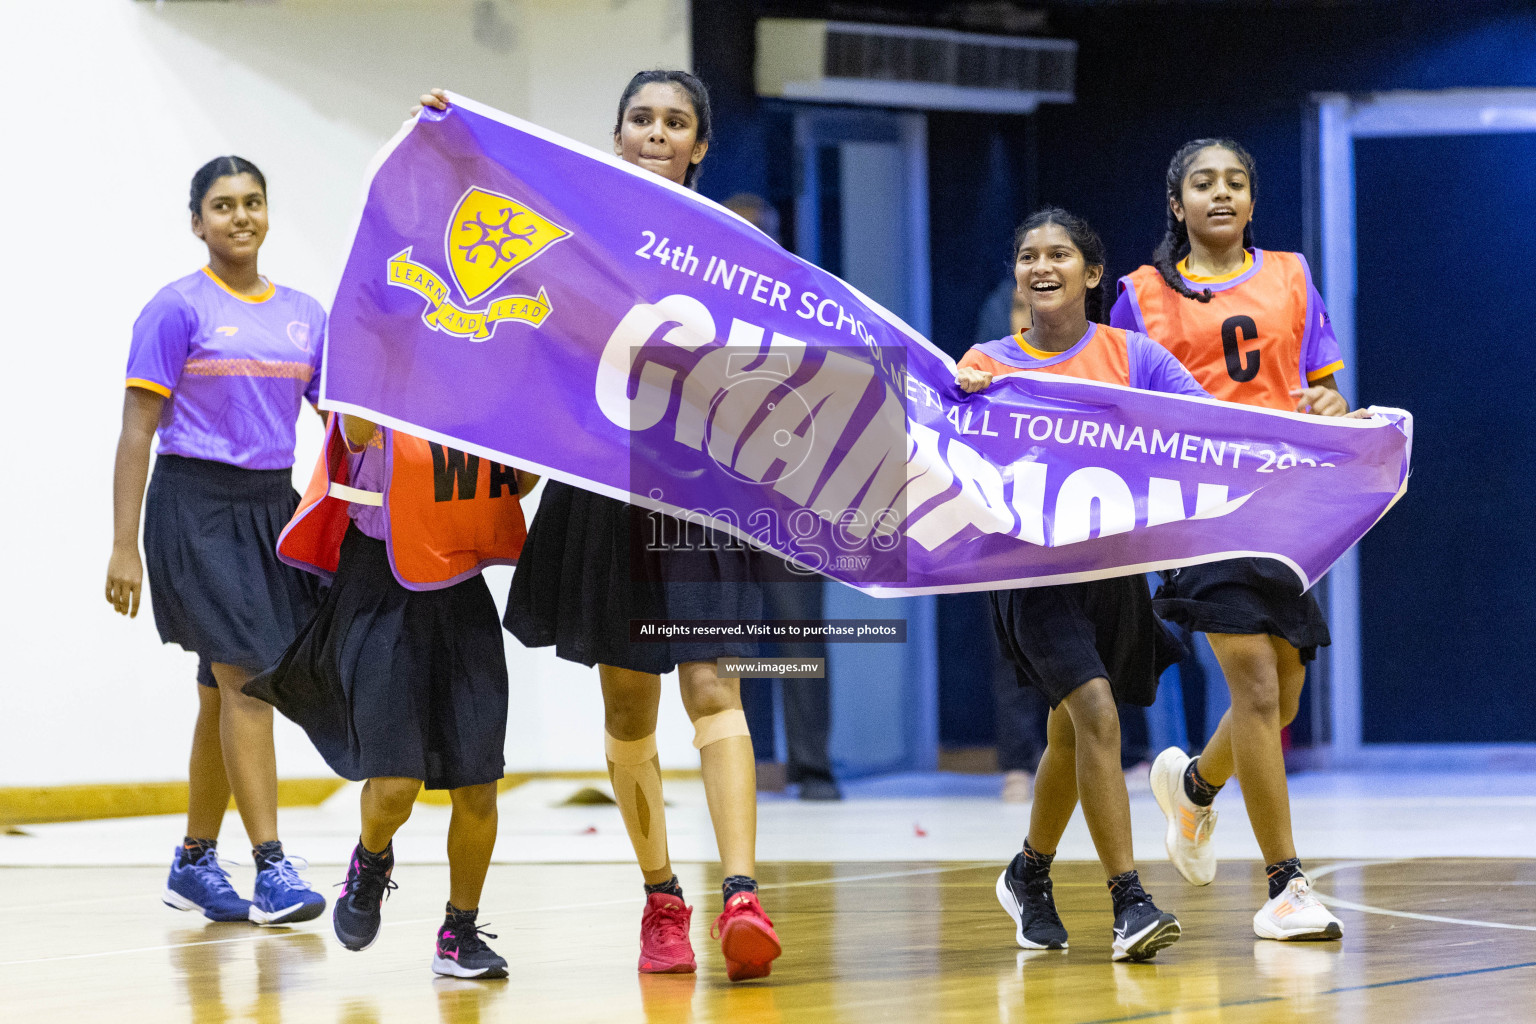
point(898, 66)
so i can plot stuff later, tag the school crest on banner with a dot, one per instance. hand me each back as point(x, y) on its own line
point(488, 237)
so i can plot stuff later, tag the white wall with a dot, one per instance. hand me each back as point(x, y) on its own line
point(110, 107)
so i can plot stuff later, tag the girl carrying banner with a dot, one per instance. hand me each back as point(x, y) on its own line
point(400, 679)
point(1251, 327)
point(592, 565)
point(1085, 646)
point(220, 365)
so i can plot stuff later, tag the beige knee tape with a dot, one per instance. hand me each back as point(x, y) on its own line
point(717, 727)
point(637, 788)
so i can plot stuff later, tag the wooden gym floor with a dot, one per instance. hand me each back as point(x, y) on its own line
point(1425, 940)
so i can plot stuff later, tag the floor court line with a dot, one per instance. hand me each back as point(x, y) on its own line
point(1334, 901)
point(1429, 977)
point(260, 936)
point(1179, 1010)
point(1154, 1014)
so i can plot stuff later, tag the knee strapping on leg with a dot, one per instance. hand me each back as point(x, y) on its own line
point(719, 726)
point(637, 788)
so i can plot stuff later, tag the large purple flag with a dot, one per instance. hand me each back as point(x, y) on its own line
point(528, 299)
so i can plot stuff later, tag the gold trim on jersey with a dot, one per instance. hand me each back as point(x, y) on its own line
point(1183, 268)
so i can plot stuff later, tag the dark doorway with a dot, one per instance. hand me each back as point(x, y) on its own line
point(1446, 246)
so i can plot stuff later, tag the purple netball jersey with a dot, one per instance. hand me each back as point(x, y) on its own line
point(234, 369)
point(366, 473)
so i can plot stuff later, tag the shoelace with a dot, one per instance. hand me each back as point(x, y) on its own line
point(212, 873)
point(1205, 822)
point(1300, 892)
point(288, 871)
point(672, 922)
point(1037, 896)
point(1133, 896)
point(469, 939)
point(373, 884)
point(747, 908)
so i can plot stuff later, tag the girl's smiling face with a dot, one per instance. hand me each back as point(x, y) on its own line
point(233, 218)
point(1052, 273)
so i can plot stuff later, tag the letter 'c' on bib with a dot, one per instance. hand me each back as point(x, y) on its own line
point(636, 782)
point(717, 727)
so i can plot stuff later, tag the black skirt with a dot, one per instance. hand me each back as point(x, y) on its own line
point(592, 564)
point(1244, 595)
point(390, 682)
point(1059, 638)
point(210, 548)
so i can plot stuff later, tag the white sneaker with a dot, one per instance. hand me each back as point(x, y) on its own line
point(1018, 787)
point(1296, 914)
point(1189, 825)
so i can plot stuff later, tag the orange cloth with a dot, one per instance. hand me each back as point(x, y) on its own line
point(1246, 344)
point(449, 514)
point(1103, 357)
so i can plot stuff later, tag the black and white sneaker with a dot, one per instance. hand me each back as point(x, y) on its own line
point(1141, 930)
point(462, 953)
point(1032, 908)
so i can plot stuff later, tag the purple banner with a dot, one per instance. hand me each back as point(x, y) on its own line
point(520, 296)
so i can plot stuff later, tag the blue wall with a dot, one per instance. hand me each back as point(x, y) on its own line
point(1150, 77)
point(1445, 297)
point(1144, 86)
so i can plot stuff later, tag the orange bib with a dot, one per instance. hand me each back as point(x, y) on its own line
point(1105, 357)
point(1245, 345)
point(448, 514)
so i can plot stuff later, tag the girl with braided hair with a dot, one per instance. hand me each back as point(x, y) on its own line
point(1251, 328)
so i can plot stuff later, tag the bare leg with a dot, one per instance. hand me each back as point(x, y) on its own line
point(250, 761)
point(1055, 783)
point(1100, 782)
point(207, 782)
point(1264, 675)
point(630, 703)
point(471, 838)
point(386, 805)
point(730, 772)
point(1216, 765)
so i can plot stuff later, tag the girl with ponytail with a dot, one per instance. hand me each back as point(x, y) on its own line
point(1085, 646)
point(220, 366)
point(1251, 328)
point(593, 564)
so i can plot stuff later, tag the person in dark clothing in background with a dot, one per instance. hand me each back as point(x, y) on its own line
point(788, 594)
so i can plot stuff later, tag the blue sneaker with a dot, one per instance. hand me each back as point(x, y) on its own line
point(282, 897)
point(203, 885)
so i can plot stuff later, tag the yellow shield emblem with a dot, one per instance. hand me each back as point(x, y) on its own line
point(489, 236)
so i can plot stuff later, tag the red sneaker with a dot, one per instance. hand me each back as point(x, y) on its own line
point(746, 938)
point(664, 945)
